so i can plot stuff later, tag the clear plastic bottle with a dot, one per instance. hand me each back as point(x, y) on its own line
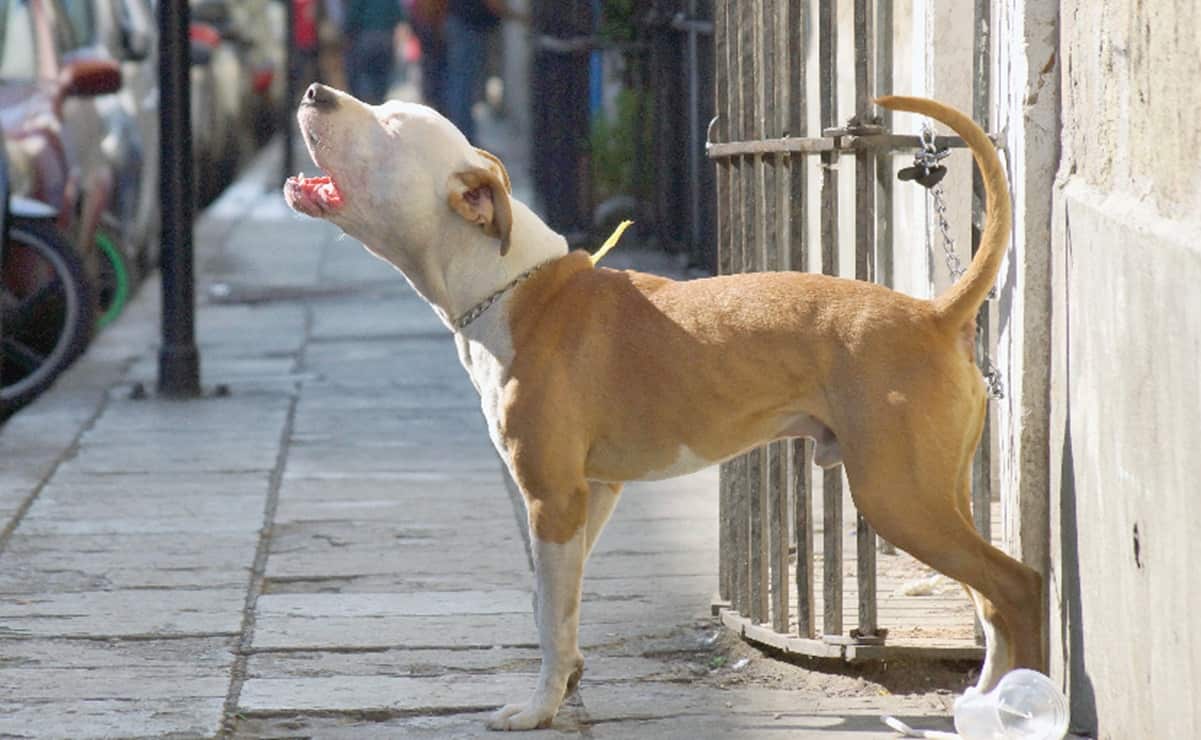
point(1025, 705)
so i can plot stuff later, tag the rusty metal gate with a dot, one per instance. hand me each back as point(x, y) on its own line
point(763, 153)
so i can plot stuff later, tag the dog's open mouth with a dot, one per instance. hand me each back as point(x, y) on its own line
point(313, 196)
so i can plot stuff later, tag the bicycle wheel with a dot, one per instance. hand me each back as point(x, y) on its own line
point(48, 310)
point(113, 282)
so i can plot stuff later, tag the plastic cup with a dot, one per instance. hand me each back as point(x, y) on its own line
point(1025, 705)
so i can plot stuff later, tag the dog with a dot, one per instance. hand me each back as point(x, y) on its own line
point(582, 380)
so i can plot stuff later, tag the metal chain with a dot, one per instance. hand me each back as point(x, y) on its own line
point(927, 158)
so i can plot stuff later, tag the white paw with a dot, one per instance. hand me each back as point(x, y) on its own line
point(520, 717)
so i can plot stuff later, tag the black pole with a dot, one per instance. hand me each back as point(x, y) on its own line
point(290, 92)
point(178, 359)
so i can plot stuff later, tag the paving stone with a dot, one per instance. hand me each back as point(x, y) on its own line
point(375, 527)
point(426, 662)
point(204, 655)
point(41, 563)
point(371, 605)
point(264, 410)
point(675, 563)
point(129, 515)
point(647, 699)
point(396, 314)
point(129, 716)
point(389, 631)
point(100, 683)
point(399, 581)
point(471, 485)
point(335, 392)
point(69, 484)
point(124, 613)
point(719, 726)
point(475, 567)
point(351, 726)
point(427, 695)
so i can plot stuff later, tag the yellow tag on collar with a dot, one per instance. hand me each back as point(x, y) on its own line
point(611, 241)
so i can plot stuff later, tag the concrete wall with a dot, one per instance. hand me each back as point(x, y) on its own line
point(1125, 524)
point(1026, 93)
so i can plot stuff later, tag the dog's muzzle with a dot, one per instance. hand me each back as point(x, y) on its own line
point(320, 97)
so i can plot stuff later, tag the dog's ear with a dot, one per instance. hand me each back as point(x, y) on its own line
point(498, 166)
point(481, 195)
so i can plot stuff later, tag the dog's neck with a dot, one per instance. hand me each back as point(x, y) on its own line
point(463, 279)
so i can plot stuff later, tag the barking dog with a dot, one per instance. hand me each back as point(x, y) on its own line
point(579, 368)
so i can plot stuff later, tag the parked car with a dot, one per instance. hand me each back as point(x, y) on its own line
point(52, 133)
point(221, 90)
point(261, 26)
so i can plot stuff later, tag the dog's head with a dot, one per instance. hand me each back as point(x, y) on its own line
point(400, 178)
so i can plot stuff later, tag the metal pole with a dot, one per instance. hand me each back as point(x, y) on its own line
point(178, 360)
point(291, 94)
point(694, 133)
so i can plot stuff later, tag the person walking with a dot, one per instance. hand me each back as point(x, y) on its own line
point(427, 18)
point(467, 26)
point(371, 32)
point(304, 31)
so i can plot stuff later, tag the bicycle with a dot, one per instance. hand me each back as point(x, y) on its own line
point(47, 312)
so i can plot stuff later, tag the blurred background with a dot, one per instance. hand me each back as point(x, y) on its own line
point(615, 92)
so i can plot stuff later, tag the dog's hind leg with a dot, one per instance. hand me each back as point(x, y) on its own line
point(906, 484)
point(602, 498)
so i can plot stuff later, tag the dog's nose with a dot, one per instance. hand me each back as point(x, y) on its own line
point(320, 97)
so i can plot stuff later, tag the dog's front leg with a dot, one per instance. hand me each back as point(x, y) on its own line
point(558, 572)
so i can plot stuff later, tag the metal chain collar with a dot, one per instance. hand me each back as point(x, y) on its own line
point(478, 310)
point(927, 159)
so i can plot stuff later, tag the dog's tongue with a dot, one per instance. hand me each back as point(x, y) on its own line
point(323, 189)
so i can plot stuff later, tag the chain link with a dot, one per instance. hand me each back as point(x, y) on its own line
point(928, 157)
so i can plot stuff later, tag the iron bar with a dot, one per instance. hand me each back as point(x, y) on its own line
point(885, 249)
point(865, 269)
point(831, 477)
point(725, 211)
point(801, 469)
point(819, 144)
point(743, 114)
point(982, 463)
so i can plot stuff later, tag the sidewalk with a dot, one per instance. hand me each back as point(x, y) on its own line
point(328, 548)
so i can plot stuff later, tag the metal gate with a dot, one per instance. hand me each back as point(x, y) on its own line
point(763, 150)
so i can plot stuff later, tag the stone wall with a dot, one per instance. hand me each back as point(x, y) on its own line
point(1125, 516)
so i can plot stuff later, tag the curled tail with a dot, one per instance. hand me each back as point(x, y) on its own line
point(959, 304)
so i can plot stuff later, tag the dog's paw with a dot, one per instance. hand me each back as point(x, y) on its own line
point(520, 717)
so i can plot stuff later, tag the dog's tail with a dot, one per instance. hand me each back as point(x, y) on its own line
point(959, 304)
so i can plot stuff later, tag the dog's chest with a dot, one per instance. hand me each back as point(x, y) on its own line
point(486, 352)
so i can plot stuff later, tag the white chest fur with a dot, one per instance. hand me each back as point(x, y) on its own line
point(486, 351)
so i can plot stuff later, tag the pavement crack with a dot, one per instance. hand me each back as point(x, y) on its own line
point(71, 451)
point(262, 552)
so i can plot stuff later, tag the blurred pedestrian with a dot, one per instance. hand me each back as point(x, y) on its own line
point(468, 25)
point(371, 30)
point(304, 32)
point(427, 17)
point(332, 56)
